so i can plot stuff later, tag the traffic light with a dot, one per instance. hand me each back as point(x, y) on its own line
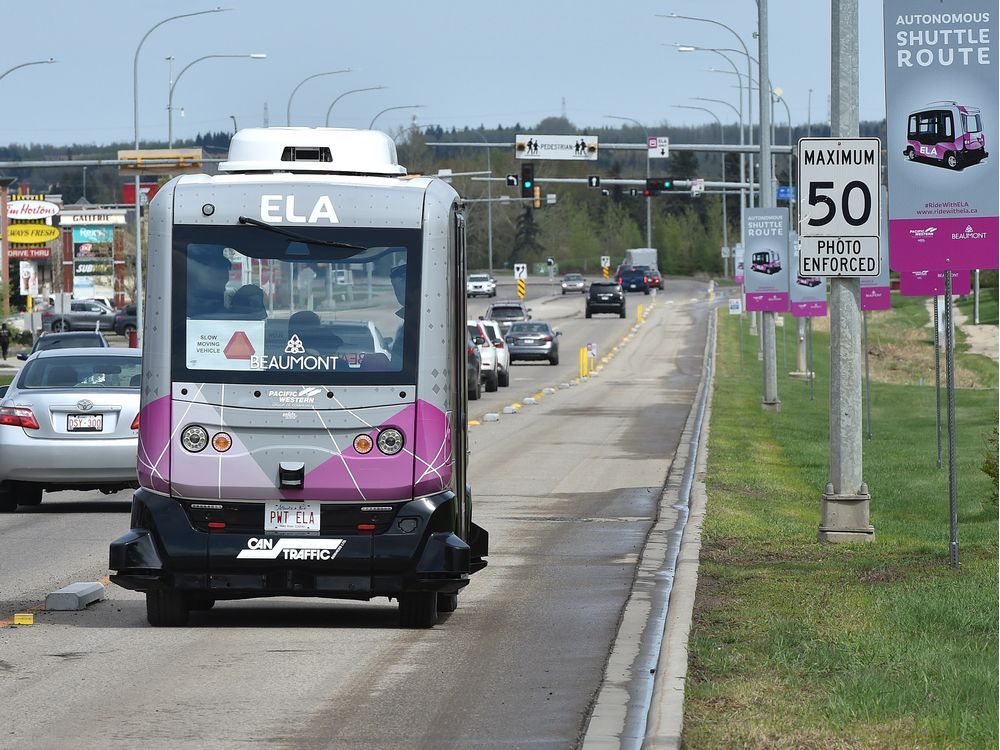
point(537, 195)
point(656, 185)
point(593, 181)
point(512, 180)
point(527, 180)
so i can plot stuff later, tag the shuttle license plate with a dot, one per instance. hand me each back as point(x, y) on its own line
point(84, 422)
point(291, 516)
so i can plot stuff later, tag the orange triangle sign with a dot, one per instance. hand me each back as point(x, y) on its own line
point(239, 347)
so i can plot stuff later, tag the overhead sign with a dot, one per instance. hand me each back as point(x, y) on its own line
point(839, 217)
point(657, 147)
point(521, 271)
point(161, 161)
point(31, 234)
point(765, 239)
point(561, 147)
point(941, 92)
point(30, 209)
point(697, 186)
point(82, 218)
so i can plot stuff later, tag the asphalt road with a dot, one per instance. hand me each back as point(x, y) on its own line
point(568, 490)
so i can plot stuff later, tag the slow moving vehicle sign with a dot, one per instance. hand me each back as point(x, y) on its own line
point(839, 213)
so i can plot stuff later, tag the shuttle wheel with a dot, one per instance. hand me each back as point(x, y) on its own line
point(166, 608)
point(418, 609)
point(911, 154)
point(951, 160)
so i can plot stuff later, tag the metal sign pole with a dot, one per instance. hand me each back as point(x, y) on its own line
point(809, 350)
point(845, 503)
point(770, 400)
point(741, 342)
point(949, 358)
point(937, 379)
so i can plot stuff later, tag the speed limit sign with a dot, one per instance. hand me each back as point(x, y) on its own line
point(839, 212)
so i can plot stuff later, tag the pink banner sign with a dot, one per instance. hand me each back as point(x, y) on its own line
point(931, 283)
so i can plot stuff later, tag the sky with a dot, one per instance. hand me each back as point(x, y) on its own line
point(467, 64)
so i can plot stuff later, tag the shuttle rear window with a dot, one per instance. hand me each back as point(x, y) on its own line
point(255, 305)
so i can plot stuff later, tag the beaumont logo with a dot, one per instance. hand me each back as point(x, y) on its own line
point(291, 549)
point(968, 234)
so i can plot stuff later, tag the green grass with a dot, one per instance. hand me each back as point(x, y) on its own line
point(798, 644)
point(987, 306)
point(5, 379)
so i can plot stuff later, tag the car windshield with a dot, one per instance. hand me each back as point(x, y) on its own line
point(505, 313)
point(479, 277)
point(529, 328)
point(254, 305)
point(45, 343)
point(83, 372)
point(573, 277)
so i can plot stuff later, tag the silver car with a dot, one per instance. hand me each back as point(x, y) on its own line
point(70, 421)
point(574, 282)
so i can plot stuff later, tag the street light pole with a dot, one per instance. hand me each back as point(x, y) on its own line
point(135, 123)
point(288, 108)
point(489, 206)
point(390, 109)
point(722, 140)
point(770, 401)
point(25, 65)
point(173, 85)
point(649, 212)
point(749, 73)
point(352, 91)
point(739, 113)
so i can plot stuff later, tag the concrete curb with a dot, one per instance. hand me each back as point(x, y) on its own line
point(76, 596)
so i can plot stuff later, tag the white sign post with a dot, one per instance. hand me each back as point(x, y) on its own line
point(658, 147)
point(520, 271)
point(839, 215)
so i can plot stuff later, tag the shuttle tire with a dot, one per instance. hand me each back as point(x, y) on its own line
point(166, 608)
point(447, 602)
point(418, 609)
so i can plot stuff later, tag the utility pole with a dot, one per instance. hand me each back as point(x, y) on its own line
point(770, 401)
point(844, 515)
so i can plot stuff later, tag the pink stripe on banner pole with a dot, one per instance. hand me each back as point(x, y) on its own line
point(767, 302)
point(931, 283)
point(943, 244)
point(875, 298)
point(809, 309)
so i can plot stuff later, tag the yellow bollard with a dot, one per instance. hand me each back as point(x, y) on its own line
point(583, 362)
point(638, 314)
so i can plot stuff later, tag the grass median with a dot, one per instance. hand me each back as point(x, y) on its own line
point(797, 644)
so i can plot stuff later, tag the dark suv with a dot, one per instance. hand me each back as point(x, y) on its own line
point(605, 297)
point(634, 278)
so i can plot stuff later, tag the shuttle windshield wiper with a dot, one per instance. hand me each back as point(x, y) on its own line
point(299, 237)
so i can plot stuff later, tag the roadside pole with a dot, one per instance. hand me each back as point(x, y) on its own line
point(770, 400)
point(937, 379)
point(868, 377)
point(845, 503)
point(949, 359)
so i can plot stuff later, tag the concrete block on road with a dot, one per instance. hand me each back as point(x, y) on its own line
point(564, 385)
point(491, 417)
point(75, 596)
point(528, 401)
point(548, 391)
point(509, 410)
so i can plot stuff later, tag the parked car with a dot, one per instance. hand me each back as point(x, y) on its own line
point(533, 340)
point(503, 353)
point(79, 340)
point(70, 421)
point(480, 284)
point(125, 320)
point(655, 280)
point(84, 315)
point(634, 278)
point(488, 354)
point(574, 282)
point(507, 313)
point(473, 368)
point(605, 297)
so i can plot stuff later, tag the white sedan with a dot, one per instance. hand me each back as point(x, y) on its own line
point(480, 284)
point(502, 352)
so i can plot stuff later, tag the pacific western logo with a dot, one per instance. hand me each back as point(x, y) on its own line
point(291, 549)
